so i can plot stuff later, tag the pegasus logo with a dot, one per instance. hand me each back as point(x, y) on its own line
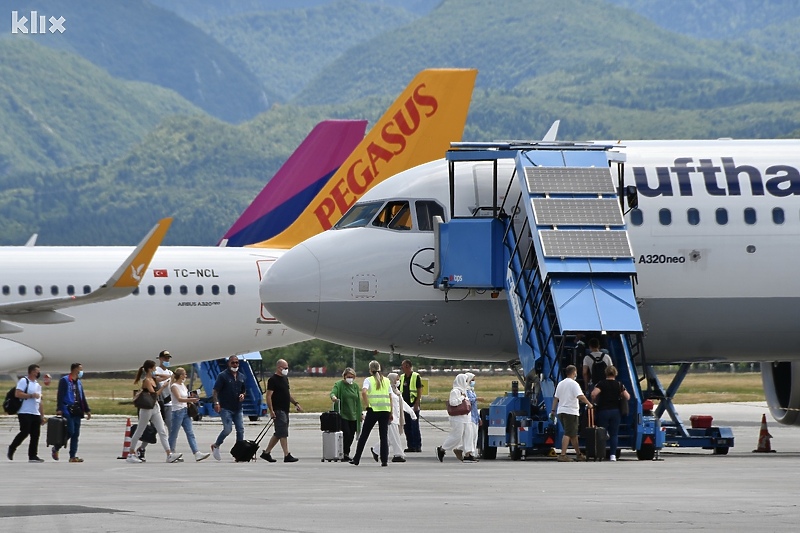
point(136, 272)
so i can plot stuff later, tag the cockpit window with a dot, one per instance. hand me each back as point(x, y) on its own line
point(426, 210)
point(359, 215)
point(394, 215)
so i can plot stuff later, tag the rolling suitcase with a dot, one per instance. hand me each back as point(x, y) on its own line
point(57, 431)
point(332, 446)
point(595, 439)
point(245, 450)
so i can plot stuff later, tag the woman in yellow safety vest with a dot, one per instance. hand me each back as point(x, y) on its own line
point(375, 395)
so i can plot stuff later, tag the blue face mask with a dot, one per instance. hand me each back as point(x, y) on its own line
point(80, 374)
point(165, 363)
point(472, 384)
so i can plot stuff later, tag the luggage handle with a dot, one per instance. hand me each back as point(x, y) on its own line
point(333, 406)
point(590, 415)
point(263, 432)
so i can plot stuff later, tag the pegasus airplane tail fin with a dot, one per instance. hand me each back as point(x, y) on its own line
point(297, 182)
point(417, 128)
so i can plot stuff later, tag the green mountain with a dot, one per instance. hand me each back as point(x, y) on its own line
point(286, 49)
point(58, 110)
point(135, 40)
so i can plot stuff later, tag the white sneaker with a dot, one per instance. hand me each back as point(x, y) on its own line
point(613, 458)
point(199, 456)
point(215, 452)
point(173, 457)
point(133, 459)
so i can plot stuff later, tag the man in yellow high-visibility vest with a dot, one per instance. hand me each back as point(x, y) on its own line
point(411, 388)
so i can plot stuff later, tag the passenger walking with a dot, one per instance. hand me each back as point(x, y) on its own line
point(566, 404)
point(152, 415)
point(180, 414)
point(278, 400)
point(30, 415)
point(163, 377)
point(459, 421)
point(228, 395)
point(375, 395)
point(607, 395)
point(594, 365)
point(411, 389)
point(347, 395)
point(71, 404)
point(395, 446)
point(471, 438)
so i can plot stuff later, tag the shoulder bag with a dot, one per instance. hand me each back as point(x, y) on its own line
point(145, 400)
point(623, 403)
point(461, 409)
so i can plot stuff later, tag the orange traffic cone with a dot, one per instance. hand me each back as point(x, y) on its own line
point(126, 445)
point(763, 438)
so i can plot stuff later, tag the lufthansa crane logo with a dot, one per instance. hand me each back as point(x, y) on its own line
point(422, 266)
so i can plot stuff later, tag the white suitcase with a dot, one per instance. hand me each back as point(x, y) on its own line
point(332, 446)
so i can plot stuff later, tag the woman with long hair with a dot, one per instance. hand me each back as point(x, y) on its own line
point(180, 414)
point(152, 415)
point(375, 395)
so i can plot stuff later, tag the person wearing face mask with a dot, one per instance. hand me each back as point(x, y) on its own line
point(30, 415)
point(471, 435)
point(229, 393)
point(150, 416)
point(348, 395)
point(458, 422)
point(278, 400)
point(163, 377)
point(180, 416)
point(71, 404)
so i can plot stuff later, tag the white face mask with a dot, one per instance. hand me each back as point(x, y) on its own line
point(284, 371)
point(472, 384)
point(349, 381)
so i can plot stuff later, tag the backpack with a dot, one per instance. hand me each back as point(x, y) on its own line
point(12, 404)
point(598, 368)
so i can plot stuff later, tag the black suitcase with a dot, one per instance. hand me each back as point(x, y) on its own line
point(57, 431)
point(245, 450)
point(595, 439)
point(331, 421)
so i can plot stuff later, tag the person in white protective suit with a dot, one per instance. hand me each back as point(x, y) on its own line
point(459, 423)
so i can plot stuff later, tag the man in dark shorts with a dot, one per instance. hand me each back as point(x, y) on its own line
point(568, 394)
point(278, 400)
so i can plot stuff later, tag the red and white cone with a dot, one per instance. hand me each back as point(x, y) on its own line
point(763, 438)
point(126, 445)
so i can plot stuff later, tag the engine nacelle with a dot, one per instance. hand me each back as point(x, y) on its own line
point(782, 390)
point(16, 357)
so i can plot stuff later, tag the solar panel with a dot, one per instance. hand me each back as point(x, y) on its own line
point(585, 244)
point(577, 212)
point(595, 180)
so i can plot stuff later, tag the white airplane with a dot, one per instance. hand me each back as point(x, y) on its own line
point(714, 239)
point(202, 302)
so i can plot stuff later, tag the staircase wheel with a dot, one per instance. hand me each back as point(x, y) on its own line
point(722, 450)
point(513, 438)
point(646, 453)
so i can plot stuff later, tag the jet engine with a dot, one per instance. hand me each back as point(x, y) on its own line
point(782, 390)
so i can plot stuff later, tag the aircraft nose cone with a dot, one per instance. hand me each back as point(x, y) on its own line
point(290, 290)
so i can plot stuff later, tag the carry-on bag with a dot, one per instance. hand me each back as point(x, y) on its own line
point(332, 446)
point(57, 431)
point(332, 420)
point(245, 450)
point(595, 439)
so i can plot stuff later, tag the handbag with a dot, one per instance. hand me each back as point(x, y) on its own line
point(192, 410)
point(623, 403)
point(144, 400)
point(461, 409)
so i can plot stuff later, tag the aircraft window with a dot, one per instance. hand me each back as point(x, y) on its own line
point(750, 216)
point(359, 215)
point(777, 216)
point(426, 210)
point(231, 289)
point(6, 290)
point(637, 217)
point(22, 290)
point(151, 290)
point(215, 290)
point(184, 290)
point(395, 215)
point(87, 289)
point(665, 217)
point(135, 291)
point(71, 290)
point(54, 290)
point(199, 290)
point(722, 216)
point(693, 216)
point(38, 290)
point(167, 289)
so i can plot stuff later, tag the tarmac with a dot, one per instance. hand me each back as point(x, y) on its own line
point(684, 490)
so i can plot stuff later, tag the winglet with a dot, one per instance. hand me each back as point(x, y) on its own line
point(417, 128)
point(131, 272)
point(552, 133)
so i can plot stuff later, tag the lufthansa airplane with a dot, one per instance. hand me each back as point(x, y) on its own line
point(202, 302)
point(714, 238)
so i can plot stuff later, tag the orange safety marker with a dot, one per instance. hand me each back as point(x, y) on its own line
point(126, 445)
point(763, 438)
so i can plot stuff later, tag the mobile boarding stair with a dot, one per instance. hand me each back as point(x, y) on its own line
point(566, 265)
point(253, 405)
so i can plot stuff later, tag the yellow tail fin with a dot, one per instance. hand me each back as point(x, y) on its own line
point(417, 128)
